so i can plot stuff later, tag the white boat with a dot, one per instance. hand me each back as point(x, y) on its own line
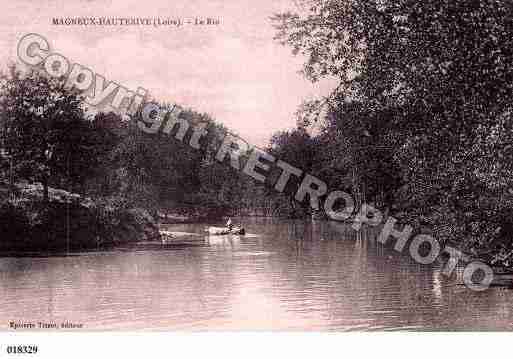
point(219, 231)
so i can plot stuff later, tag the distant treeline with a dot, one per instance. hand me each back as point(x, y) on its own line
point(100, 178)
point(47, 138)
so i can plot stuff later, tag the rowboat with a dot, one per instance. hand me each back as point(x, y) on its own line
point(219, 231)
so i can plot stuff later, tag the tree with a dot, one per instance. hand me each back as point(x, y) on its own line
point(298, 148)
point(45, 131)
point(437, 74)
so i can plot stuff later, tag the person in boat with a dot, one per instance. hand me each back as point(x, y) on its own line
point(229, 224)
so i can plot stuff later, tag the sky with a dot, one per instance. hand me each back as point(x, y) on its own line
point(233, 71)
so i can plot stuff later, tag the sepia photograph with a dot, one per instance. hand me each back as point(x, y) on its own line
point(295, 167)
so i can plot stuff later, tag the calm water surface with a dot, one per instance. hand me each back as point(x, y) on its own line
point(287, 275)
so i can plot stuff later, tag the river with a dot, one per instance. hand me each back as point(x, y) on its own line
point(285, 275)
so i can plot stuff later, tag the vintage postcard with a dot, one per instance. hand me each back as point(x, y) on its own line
point(274, 165)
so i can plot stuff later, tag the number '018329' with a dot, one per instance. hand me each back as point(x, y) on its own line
point(21, 349)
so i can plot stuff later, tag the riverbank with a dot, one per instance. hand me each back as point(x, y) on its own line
point(69, 221)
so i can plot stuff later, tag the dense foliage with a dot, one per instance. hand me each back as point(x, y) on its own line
point(48, 138)
point(422, 113)
point(419, 124)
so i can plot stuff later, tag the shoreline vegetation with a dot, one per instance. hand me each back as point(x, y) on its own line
point(423, 131)
point(71, 223)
